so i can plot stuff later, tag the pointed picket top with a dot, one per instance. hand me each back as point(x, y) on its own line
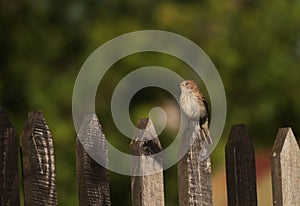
point(92, 163)
point(285, 169)
point(146, 143)
point(145, 130)
point(147, 186)
point(39, 179)
point(285, 139)
point(240, 168)
point(93, 139)
point(145, 140)
point(238, 133)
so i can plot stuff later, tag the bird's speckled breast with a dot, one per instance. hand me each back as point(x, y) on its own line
point(190, 106)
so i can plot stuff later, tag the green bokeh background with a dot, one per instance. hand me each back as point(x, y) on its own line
point(255, 46)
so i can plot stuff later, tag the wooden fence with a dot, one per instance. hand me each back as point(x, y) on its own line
point(194, 176)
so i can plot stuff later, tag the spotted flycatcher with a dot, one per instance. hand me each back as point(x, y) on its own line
point(195, 108)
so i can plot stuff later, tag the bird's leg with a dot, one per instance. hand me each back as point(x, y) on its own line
point(206, 134)
point(203, 135)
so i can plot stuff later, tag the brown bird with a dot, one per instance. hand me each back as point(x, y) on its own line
point(195, 107)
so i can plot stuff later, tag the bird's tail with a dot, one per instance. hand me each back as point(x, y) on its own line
point(205, 139)
point(203, 133)
point(206, 136)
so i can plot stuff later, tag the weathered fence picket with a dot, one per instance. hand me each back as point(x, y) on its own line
point(93, 181)
point(9, 178)
point(146, 190)
point(240, 168)
point(39, 184)
point(194, 173)
point(285, 161)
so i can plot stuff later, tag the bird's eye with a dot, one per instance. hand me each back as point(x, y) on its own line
point(186, 83)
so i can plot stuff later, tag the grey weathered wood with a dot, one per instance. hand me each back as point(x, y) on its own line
point(285, 161)
point(9, 178)
point(147, 187)
point(39, 182)
point(194, 174)
point(240, 168)
point(93, 181)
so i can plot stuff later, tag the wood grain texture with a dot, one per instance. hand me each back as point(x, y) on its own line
point(146, 189)
point(285, 161)
point(194, 175)
point(39, 181)
point(240, 168)
point(9, 178)
point(93, 180)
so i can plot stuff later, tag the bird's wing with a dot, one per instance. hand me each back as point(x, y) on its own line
point(206, 107)
point(201, 98)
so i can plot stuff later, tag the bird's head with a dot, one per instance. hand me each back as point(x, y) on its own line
point(188, 86)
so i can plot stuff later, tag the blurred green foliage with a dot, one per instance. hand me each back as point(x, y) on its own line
point(255, 45)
